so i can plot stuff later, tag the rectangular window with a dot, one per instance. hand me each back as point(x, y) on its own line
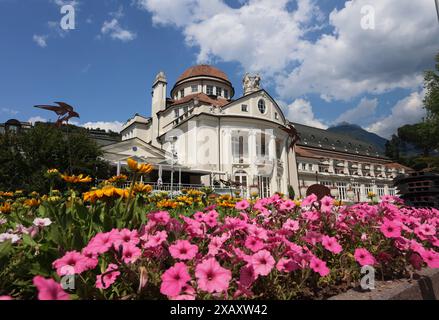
point(261, 147)
point(182, 93)
point(244, 108)
point(185, 109)
point(219, 91)
point(194, 88)
point(177, 113)
point(226, 94)
point(380, 190)
point(239, 147)
point(343, 190)
point(276, 116)
point(209, 90)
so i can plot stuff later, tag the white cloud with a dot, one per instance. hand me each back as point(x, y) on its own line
point(272, 37)
point(40, 40)
point(115, 126)
point(300, 111)
point(361, 113)
point(353, 61)
point(9, 111)
point(409, 110)
point(261, 35)
point(115, 31)
point(62, 3)
point(37, 119)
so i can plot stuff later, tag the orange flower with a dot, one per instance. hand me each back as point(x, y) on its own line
point(139, 168)
point(106, 193)
point(142, 188)
point(32, 203)
point(76, 179)
point(117, 179)
point(5, 208)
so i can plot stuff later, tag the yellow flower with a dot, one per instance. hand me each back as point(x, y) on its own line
point(338, 203)
point(32, 203)
point(76, 179)
point(106, 193)
point(142, 188)
point(297, 203)
point(370, 194)
point(139, 168)
point(167, 204)
point(118, 179)
point(5, 208)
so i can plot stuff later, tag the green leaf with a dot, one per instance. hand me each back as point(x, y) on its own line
point(27, 240)
point(5, 249)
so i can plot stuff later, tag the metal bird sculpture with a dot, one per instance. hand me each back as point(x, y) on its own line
point(64, 111)
point(292, 133)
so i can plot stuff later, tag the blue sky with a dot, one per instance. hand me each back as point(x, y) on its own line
point(313, 56)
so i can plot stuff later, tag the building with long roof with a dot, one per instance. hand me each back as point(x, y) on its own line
point(202, 134)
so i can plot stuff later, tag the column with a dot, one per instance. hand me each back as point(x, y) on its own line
point(346, 168)
point(252, 154)
point(273, 160)
point(227, 151)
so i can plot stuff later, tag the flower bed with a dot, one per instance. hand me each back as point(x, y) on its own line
point(123, 244)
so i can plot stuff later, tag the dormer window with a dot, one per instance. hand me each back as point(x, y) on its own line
point(276, 116)
point(219, 91)
point(261, 106)
point(182, 93)
point(244, 108)
point(209, 90)
point(226, 94)
point(194, 88)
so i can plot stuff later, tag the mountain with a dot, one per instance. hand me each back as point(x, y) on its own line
point(359, 133)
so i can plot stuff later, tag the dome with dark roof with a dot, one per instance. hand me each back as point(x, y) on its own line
point(203, 70)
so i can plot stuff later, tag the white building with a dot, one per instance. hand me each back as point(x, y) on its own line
point(202, 134)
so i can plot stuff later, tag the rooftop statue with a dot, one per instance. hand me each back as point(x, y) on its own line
point(251, 83)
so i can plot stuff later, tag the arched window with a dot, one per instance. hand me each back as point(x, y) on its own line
point(261, 106)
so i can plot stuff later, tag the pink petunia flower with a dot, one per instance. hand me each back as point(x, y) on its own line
point(287, 205)
point(247, 276)
point(174, 279)
point(104, 281)
point(183, 250)
point(262, 262)
point(101, 243)
point(153, 241)
point(287, 265)
point(326, 204)
point(125, 236)
point(331, 244)
point(254, 244)
point(5, 298)
point(49, 289)
point(319, 266)
point(130, 253)
point(431, 258)
point(391, 229)
point(161, 217)
point(242, 205)
point(291, 225)
point(309, 200)
point(72, 263)
point(211, 277)
point(363, 257)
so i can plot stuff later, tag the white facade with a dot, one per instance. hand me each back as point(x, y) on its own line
point(205, 130)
